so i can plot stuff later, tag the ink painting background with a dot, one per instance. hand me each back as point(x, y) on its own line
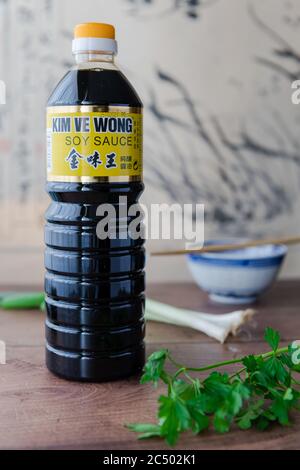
point(220, 129)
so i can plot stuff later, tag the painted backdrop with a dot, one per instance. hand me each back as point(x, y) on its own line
point(220, 128)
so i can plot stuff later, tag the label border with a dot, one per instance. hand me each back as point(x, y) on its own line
point(63, 109)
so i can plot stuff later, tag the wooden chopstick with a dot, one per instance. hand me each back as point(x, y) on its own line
point(230, 247)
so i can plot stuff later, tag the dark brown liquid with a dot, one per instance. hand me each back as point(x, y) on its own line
point(95, 288)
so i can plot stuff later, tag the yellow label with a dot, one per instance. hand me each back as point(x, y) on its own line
point(87, 144)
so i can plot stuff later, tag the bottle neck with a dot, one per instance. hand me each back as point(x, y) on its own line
point(94, 57)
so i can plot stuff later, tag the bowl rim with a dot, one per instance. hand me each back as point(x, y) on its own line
point(279, 253)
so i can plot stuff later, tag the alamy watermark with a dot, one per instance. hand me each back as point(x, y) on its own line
point(2, 92)
point(296, 352)
point(295, 97)
point(2, 353)
point(124, 220)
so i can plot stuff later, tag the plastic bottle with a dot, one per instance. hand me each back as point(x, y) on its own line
point(94, 286)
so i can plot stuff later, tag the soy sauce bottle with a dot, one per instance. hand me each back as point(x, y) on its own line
point(94, 284)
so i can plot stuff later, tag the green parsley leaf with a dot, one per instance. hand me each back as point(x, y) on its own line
point(154, 366)
point(222, 421)
point(200, 421)
point(147, 430)
point(250, 414)
point(280, 409)
point(250, 362)
point(174, 416)
point(272, 337)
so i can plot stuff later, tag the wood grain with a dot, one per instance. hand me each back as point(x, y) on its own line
point(41, 411)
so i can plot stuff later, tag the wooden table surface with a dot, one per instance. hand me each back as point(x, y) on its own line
point(41, 411)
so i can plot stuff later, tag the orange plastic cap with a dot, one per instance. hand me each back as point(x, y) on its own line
point(94, 30)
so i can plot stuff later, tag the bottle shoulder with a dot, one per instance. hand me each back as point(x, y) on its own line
point(94, 86)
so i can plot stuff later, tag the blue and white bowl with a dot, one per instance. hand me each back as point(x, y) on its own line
point(239, 276)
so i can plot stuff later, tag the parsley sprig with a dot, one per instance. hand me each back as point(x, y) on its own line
point(263, 391)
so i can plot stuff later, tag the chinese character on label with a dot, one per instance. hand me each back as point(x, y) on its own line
point(94, 160)
point(110, 160)
point(73, 159)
